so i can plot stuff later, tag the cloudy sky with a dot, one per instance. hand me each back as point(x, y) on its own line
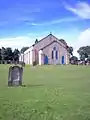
point(22, 21)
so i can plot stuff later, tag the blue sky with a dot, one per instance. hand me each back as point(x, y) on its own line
point(22, 21)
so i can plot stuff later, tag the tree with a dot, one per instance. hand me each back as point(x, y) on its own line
point(73, 59)
point(63, 41)
point(3, 54)
point(0, 54)
point(70, 49)
point(24, 49)
point(88, 58)
point(82, 57)
point(16, 55)
point(84, 52)
point(9, 53)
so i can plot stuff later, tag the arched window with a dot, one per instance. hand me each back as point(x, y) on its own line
point(56, 55)
point(52, 54)
point(54, 48)
point(54, 51)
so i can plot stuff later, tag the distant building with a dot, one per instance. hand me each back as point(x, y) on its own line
point(49, 50)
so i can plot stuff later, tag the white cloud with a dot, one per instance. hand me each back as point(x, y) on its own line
point(54, 21)
point(81, 9)
point(16, 42)
point(76, 41)
point(20, 41)
point(83, 40)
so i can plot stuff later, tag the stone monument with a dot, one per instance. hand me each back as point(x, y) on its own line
point(15, 76)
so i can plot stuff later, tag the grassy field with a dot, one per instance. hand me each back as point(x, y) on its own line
point(49, 93)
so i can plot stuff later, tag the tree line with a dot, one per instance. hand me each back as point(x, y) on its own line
point(84, 53)
point(9, 55)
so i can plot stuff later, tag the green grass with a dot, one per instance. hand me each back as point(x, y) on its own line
point(50, 93)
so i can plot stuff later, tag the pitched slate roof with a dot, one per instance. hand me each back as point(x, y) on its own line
point(51, 43)
point(61, 40)
point(42, 39)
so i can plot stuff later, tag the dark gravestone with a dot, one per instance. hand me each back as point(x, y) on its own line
point(15, 76)
point(23, 64)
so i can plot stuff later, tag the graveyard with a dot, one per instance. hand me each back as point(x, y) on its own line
point(53, 92)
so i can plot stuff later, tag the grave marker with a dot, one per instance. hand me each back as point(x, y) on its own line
point(15, 76)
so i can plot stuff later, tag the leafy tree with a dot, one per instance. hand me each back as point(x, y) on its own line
point(88, 58)
point(84, 52)
point(63, 41)
point(82, 57)
point(70, 49)
point(3, 54)
point(9, 53)
point(73, 59)
point(24, 49)
point(0, 54)
point(16, 55)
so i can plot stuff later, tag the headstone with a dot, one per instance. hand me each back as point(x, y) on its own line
point(23, 64)
point(15, 76)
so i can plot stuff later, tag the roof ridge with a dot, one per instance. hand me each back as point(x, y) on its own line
point(51, 43)
point(42, 39)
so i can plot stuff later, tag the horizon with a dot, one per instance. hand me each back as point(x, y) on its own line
point(23, 21)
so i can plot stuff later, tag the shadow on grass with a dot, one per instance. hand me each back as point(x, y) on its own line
point(39, 85)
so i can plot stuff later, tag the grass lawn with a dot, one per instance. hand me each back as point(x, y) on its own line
point(50, 93)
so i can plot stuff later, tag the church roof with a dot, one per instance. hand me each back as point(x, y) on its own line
point(62, 40)
point(43, 39)
point(51, 43)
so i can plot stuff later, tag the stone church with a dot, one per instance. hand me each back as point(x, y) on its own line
point(49, 50)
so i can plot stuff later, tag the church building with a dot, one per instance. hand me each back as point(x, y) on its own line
point(49, 50)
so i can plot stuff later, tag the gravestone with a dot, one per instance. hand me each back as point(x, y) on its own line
point(15, 76)
point(23, 64)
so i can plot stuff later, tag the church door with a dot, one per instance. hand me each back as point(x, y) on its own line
point(62, 59)
point(45, 59)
